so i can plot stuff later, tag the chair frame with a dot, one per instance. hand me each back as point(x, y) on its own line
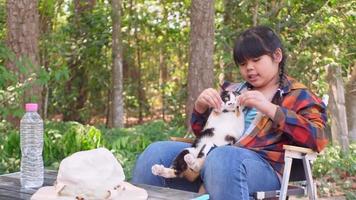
point(294, 152)
point(306, 155)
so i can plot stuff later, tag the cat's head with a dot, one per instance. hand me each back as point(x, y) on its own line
point(229, 101)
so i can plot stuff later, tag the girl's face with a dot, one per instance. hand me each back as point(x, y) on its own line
point(262, 72)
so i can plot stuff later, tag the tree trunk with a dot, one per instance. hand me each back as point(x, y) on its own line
point(79, 77)
point(22, 39)
point(337, 108)
point(45, 24)
point(163, 78)
point(228, 22)
point(117, 73)
point(140, 91)
point(255, 13)
point(200, 75)
point(351, 105)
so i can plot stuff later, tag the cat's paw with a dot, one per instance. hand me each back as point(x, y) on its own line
point(189, 159)
point(157, 169)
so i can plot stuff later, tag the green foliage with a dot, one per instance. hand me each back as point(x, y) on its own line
point(12, 88)
point(127, 143)
point(335, 170)
point(62, 139)
point(2, 19)
point(79, 137)
point(334, 159)
point(9, 148)
point(76, 51)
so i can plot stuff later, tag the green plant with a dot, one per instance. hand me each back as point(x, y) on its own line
point(334, 159)
point(335, 171)
point(128, 143)
point(9, 148)
point(61, 139)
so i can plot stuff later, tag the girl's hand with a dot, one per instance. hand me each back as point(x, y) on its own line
point(208, 98)
point(257, 100)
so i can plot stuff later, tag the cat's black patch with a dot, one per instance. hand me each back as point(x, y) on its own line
point(179, 163)
point(230, 139)
point(208, 132)
point(201, 152)
point(225, 96)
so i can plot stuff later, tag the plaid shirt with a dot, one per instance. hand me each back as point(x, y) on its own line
point(299, 120)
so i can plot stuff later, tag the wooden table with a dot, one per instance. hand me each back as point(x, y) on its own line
point(10, 189)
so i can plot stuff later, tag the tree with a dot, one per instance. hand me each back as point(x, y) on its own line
point(22, 39)
point(117, 73)
point(351, 104)
point(200, 74)
point(47, 12)
point(76, 89)
point(337, 107)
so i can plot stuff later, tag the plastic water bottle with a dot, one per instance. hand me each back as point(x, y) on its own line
point(31, 139)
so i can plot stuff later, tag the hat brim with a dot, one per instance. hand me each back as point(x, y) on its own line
point(48, 193)
point(130, 192)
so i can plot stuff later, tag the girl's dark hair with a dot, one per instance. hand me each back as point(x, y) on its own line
point(257, 41)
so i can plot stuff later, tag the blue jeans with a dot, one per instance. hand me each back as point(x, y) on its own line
point(229, 172)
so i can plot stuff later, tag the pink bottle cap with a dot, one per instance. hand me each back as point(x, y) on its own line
point(31, 107)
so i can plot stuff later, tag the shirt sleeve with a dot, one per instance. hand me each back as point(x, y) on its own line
point(198, 121)
point(305, 122)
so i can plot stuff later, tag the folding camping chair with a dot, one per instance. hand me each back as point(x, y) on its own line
point(297, 169)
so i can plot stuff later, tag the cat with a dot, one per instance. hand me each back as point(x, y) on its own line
point(223, 127)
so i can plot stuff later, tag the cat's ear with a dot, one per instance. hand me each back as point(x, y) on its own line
point(221, 79)
point(224, 85)
point(222, 88)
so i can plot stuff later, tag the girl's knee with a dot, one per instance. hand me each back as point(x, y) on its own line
point(218, 160)
point(162, 152)
point(155, 146)
point(225, 158)
point(221, 153)
point(158, 148)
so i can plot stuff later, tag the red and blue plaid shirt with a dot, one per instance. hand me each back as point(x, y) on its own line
point(299, 120)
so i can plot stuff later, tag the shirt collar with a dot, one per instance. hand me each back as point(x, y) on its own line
point(290, 84)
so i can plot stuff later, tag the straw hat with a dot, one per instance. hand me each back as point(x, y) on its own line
point(90, 175)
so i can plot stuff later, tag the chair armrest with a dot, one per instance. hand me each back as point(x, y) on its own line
point(299, 152)
point(181, 139)
point(298, 149)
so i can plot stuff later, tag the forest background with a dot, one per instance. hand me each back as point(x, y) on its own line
point(124, 73)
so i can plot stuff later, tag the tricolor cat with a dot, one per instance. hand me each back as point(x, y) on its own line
point(224, 127)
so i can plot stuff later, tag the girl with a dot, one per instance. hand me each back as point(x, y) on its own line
point(279, 110)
